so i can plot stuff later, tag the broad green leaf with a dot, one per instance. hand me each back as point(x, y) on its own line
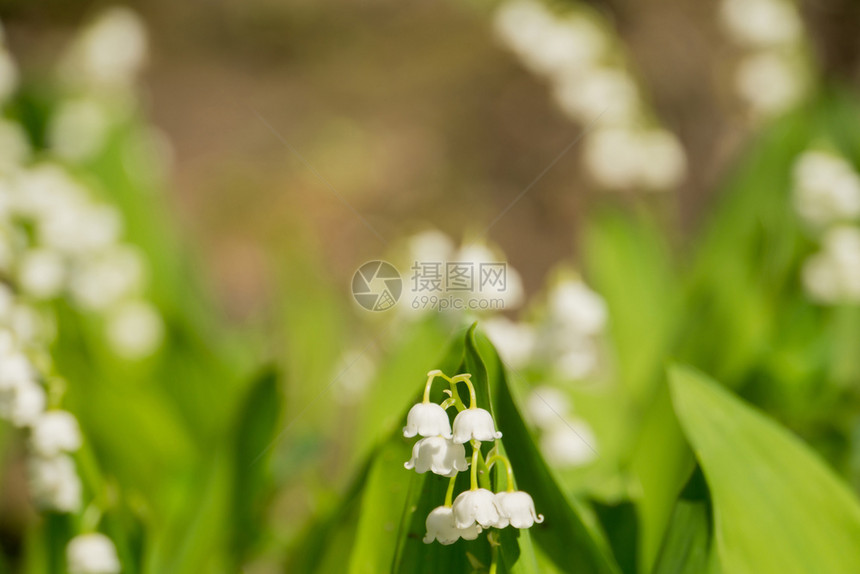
point(777, 508)
point(255, 430)
point(687, 547)
point(569, 535)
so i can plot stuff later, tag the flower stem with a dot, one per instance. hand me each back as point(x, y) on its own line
point(430, 377)
point(449, 496)
point(510, 471)
point(476, 450)
point(466, 378)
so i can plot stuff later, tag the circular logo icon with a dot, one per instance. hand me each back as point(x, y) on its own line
point(377, 285)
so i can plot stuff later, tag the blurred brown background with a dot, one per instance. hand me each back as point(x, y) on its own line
point(411, 111)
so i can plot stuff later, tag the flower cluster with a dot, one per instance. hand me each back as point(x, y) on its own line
point(774, 74)
point(58, 240)
point(442, 451)
point(566, 336)
point(434, 246)
point(584, 64)
point(826, 192)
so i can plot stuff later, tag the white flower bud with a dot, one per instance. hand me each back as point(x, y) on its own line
point(427, 419)
point(517, 509)
point(42, 273)
point(475, 506)
point(576, 308)
point(568, 444)
point(55, 432)
point(514, 341)
point(826, 188)
point(92, 554)
point(761, 23)
point(440, 527)
point(770, 83)
point(23, 404)
point(475, 424)
point(135, 330)
point(545, 405)
point(55, 484)
point(439, 455)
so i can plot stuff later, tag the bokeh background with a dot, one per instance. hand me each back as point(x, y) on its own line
point(293, 141)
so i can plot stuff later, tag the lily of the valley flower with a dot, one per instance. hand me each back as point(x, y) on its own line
point(441, 527)
point(55, 432)
point(438, 454)
point(517, 509)
point(475, 424)
point(92, 553)
point(427, 419)
point(476, 506)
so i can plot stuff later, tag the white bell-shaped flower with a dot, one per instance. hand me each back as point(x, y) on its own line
point(427, 419)
point(476, 506)
point(517, 509)
point(475, 424)
point(92, 553)
point(441, 527)
point(55, 484)
point(55, 432)
point(24, 405)
point(438, 454)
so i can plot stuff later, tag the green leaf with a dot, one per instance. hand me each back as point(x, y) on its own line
point(569, 536)
point(777, 508)
point(256, 429)
point(687, 547)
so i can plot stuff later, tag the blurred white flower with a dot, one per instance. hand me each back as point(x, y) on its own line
point(92, 553)
point(431, 246)
point(569, 443)
point(14, 145)
point(761, 23)
point(354, 374)
point(30, 324)
point(42, 273)
point(55, 432)
point(441, 527)
point(23, 403)
point(517, 509)
point(439, 455)
point(578, 359)
point(476, 255)
point(577, 308)
point(624, 158)
point(607, 93)
point(664, 162)
point(826, 188)
point(612, 157)
point(78, 129)
point(80, 228)
point(770, 82)
point(427, 419)
point(134, 329)
point(475, 424)
point(475, 506)
point(545, 405)
point(833, 275)
point(515, 341)
point(109, 54)
point(102, 280)
point(55, 484)
point(548, 44)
